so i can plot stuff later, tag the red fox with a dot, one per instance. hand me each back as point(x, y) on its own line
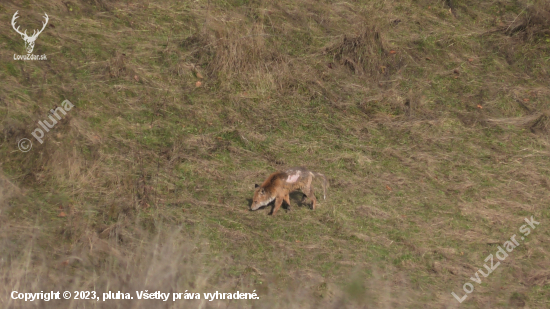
point(279, 185)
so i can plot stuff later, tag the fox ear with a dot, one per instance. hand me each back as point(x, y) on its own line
point(256, 185)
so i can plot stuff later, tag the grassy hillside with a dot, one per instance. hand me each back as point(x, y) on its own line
point(430, 118)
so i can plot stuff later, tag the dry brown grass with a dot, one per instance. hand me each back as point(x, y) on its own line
point(435, 152)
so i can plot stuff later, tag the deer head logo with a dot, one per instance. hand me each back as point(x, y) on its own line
point(29, 40)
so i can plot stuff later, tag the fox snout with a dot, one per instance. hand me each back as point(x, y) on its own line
point(255, 205)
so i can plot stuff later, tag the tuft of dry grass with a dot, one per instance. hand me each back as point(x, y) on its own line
point(366, 54)
point(533, 23)
point(541, 125)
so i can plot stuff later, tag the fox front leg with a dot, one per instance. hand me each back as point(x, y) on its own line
point(278, 203)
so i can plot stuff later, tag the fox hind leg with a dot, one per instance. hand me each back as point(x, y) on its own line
point(308, 194)
point(312, 197)
point(307, 189)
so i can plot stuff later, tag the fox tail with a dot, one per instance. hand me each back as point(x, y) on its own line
point(325, 183)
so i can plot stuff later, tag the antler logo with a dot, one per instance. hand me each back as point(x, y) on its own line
point(29, 40)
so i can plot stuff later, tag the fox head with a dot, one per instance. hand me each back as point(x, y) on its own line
point(261, 198)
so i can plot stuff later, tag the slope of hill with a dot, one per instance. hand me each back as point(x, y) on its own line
point(430, 118)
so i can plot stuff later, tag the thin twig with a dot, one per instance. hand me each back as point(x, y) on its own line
point(157, 186)
point(514, 21)
point(206, 16)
